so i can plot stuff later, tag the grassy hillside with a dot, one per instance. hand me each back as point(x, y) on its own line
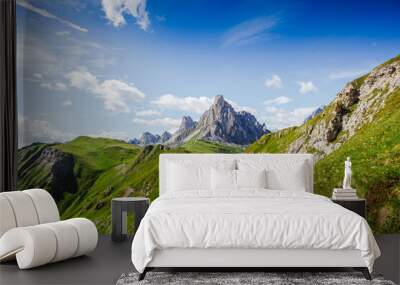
point(102, 169)
point(375, 152)
point(201, 146)
point(276, 142)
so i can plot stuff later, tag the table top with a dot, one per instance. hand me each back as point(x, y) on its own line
point(130, 199)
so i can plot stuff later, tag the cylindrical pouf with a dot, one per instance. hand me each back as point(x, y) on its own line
point(87, 234)
point(34, 245)
point(67, 240)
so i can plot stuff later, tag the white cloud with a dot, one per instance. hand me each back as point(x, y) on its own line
point(170, 123)
point(44, 83)
point(274, 82)
point(277, 118)
point(30, 131)
point(342, 74)
point(187, 104)
point(248, 32)
point(63, 33)
point(112, 135)
point(114, 93)
point(281, 100)
point(115, 11)
point(46, 14)
point(57, 86)
point(66, 103)
point(193, 104)
point(306, 87)
point(146, 113)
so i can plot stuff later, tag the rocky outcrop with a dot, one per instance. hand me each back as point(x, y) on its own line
point(47, 167)
point(187, 123)
point(165, 137)
point(185, 129)
point(148, 138)
point(134, 141)
point(354, 106)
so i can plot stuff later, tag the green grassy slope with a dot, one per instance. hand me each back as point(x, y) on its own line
point(135, 176)
point(375, 152)
point(202, 146)
point(29, 172)
point(103, 169)
point(276, 142)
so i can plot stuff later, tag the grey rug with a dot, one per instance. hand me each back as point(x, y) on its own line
point(269, 278)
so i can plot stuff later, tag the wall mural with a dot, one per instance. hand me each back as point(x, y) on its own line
point(105, 87)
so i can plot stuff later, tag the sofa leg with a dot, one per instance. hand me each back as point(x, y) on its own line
point(364, 271)
point(143, 274)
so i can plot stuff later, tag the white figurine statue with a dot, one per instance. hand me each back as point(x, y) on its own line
point(347, 174)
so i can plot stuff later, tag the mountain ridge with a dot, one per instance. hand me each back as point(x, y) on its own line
point(221, 123)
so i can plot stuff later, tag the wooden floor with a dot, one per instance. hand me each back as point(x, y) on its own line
point(110, 260)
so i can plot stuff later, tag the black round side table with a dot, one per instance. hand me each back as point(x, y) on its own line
point(119, 209)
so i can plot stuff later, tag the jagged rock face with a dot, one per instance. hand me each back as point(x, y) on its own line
point(148, 138)
point(54, 170)
point(222, 123)
point(164, 137)
point(134, 141)
point(356, 105)
point(186, 127)
point(187, 123)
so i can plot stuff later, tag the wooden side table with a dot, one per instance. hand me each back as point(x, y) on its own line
point(119, 209)
point(355, 205)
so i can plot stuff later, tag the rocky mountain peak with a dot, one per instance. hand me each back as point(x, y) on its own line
point(222, 123)
point(148, 138)
point(165, 137)
point(187, 123)
point(219, 100)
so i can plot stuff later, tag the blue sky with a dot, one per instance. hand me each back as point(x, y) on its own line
point(118, 68)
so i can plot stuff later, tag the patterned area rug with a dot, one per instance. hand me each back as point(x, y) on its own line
point(229, 278)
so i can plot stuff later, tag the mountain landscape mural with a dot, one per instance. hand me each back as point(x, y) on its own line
point(363, 121)
point(105, 87)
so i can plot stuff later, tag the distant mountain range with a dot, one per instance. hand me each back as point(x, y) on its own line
point(148, 138)
point(220, 123)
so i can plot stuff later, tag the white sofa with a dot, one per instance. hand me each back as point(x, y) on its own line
point(31, 231)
